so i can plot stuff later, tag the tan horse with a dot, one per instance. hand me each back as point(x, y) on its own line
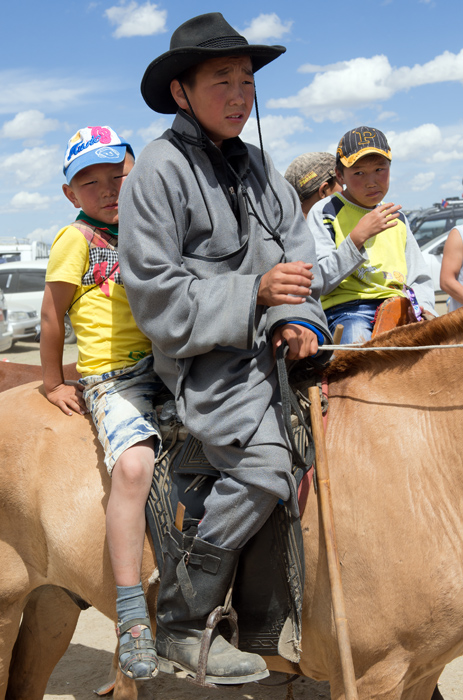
point(395, 448)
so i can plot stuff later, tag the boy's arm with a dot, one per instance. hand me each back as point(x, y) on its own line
point(56, 300)
point(335, 263)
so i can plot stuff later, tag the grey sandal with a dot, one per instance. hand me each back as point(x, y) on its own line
point(137, 654)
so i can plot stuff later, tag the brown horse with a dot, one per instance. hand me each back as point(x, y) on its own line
point(395, 448)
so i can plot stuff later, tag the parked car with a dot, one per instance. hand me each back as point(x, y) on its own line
point(432, 253)
point(23, 321)
point(428, 224)
point(6, 336)
point(24, 283)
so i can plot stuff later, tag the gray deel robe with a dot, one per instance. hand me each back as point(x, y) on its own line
point(192, 274)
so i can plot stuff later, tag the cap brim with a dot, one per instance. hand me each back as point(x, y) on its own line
point(354, 157)
point(91, 158)
point(155, 85)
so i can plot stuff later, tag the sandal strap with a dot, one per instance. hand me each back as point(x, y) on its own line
point(137, 645)
point(126, 626)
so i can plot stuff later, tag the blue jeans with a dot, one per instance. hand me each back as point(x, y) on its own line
point(356, 317)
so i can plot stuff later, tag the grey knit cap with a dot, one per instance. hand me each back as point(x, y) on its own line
point(310, 170)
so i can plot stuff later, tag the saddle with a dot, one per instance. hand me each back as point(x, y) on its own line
point(269, 583)
point(393, 312)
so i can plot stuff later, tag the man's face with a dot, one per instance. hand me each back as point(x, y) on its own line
point(95, 189)
point(367, 181)
point(221, 95)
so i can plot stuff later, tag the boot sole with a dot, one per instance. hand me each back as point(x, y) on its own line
point(166, 666)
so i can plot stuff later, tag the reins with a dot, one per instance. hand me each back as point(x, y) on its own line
point(360, 348)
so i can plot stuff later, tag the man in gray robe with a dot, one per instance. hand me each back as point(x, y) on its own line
point(219, 269)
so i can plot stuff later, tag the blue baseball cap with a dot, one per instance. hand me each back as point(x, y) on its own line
point(92, 145)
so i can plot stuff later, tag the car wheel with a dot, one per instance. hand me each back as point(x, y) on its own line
point(69, 335)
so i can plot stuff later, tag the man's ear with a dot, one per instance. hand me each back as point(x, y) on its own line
point(177, 93)
point(322, 190)
point(69, 193)
point(339, 177)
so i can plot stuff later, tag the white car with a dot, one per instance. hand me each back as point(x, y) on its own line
point(23, 321)
point(24, 283)
point(432, 253)
point(6, 336)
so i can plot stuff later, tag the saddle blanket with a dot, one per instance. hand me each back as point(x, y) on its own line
point(269, 583)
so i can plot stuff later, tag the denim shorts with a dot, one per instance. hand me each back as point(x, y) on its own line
point(357, 317)
point(122, 404)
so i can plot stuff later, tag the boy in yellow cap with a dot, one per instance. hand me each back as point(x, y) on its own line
point(365, 248)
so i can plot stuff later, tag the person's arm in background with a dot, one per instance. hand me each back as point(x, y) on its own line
point(452, 262)
point(56, 301)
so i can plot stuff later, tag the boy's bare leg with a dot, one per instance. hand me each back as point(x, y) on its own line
point(125, 514)
point(125, 528)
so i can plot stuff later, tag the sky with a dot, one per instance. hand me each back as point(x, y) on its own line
point(396, 65)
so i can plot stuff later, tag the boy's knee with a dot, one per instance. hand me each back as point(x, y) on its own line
point(133, 470)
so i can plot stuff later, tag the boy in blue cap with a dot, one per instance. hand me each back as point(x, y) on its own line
point(118, 382)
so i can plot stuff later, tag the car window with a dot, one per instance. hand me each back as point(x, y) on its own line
point(31, 281)
point(429, 230)
point(438, 250)
point(459, 222)
point(6, 279)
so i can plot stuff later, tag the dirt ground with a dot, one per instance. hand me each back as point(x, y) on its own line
point(87, 662)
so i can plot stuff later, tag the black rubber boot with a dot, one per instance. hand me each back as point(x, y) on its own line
point(195, 580)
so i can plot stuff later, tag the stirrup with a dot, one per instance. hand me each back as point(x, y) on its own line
point(141, 650)
point(219, 613)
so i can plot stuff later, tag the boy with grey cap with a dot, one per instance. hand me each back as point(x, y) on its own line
point(313, 176)
point(217, 265)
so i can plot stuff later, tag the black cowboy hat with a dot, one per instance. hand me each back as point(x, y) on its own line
point(197, 40)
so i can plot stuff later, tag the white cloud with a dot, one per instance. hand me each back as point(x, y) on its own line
point(453, 185)
point(421, 181)
point(274, 129)
point(18, 91)
point(360, 82)
point(154, 130)
point(387, 116)
point(266, 27)
point(426, 143)
point(31, 201)
point(137, 20)
point(47, 235)
point(35, 166)
point(29, 125)
point(416, 143)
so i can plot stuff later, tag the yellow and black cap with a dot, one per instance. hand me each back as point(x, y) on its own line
point(360, 142)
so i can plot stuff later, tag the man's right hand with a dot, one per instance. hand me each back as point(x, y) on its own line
point(377, 220)
point(68, 398)
point(286, 283)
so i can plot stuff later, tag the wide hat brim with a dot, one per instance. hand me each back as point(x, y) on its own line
point(155, 86)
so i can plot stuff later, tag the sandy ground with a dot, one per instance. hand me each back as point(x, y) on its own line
point(87, 662)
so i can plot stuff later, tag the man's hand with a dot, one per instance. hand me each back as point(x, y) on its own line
point(286, 283)
point(377, 220)
point(301, 340)
point(68, 397)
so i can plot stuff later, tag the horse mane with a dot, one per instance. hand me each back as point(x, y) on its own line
point(442, 330)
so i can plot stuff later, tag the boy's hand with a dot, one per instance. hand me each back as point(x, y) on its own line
point(286, 283)
point(377, 220)
point(68, 398)
point(301, 340)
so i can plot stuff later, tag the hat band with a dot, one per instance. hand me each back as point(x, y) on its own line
point(223, 42)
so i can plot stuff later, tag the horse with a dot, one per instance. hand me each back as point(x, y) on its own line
point(394, 445)
point(14, 373)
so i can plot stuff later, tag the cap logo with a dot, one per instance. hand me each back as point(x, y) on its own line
point(367, 135)
point(99, 135)
point(307, 178)
point(107, 152)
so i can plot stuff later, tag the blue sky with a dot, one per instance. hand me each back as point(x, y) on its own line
point(393, 64)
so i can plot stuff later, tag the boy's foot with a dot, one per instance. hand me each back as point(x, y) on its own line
point(137, 654)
